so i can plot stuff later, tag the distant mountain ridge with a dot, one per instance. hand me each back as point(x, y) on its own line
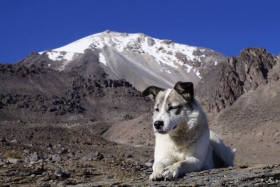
point(137, 58)
point(223, 85)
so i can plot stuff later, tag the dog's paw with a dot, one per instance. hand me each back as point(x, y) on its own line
point(170, 172)
point(155, 176)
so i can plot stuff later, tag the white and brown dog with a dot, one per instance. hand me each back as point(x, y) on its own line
point(184, 142)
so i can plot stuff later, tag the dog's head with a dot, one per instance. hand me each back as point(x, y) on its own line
point(171, 106)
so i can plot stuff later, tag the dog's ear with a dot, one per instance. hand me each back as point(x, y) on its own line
point(185, 89)
point(151, 90)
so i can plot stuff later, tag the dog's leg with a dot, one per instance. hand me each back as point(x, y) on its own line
point(157, 171)
point(158, 168)
point(180, 168)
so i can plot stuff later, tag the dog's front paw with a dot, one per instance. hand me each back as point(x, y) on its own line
point(170, 172)
point(155, 176)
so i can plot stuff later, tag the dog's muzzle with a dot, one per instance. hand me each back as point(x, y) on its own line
point(158, 125)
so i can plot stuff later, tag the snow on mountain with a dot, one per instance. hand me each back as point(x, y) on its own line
point(163, 51)
point(102, 59)
point(125, 56)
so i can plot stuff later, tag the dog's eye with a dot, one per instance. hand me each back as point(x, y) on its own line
point(156, 109)
point(173, 107)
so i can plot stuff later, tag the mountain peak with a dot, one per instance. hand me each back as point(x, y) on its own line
point(163, 51)
point(163, 62)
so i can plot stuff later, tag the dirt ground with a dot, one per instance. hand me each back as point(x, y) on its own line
point(36, 155)
point(260, 145)
point(63, 154)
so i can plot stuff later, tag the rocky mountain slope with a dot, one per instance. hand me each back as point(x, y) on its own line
point(224, 84)
point(252, 123)
point(137, 58)
point(38, 95)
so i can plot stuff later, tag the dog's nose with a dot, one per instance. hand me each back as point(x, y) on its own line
point(158, 124)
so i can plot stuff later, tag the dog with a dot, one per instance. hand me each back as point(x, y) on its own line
point(184, 142)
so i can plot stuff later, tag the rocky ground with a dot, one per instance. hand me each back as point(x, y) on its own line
point(268, 175)
point(36, 155)
point(76, 155)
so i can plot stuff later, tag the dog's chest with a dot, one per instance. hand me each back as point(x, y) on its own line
point(166, 147)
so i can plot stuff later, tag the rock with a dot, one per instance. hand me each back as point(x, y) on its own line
point(26, 151)
point(100, 157)
point(56, 158)
point(93, 156)
point(1, 163)
point(36, 156)
point(260, 133)
point(3, 140)
point(33, 175)
point(62, 174)
point(149, 164)
point(14, 141)
point(129, 156)
point(71, 154)
point(151, 41)
point(13, 160)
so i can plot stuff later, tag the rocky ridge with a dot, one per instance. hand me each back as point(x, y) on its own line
point(223, 85)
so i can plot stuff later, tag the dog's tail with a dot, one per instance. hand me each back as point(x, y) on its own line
point(223, 156)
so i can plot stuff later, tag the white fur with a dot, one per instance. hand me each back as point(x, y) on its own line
point(187, 144)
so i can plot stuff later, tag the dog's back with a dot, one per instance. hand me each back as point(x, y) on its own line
point(223, 156)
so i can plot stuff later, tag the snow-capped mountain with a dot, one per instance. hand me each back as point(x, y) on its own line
point(137, 58)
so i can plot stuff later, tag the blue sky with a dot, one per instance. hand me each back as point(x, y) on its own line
point(224, 26)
